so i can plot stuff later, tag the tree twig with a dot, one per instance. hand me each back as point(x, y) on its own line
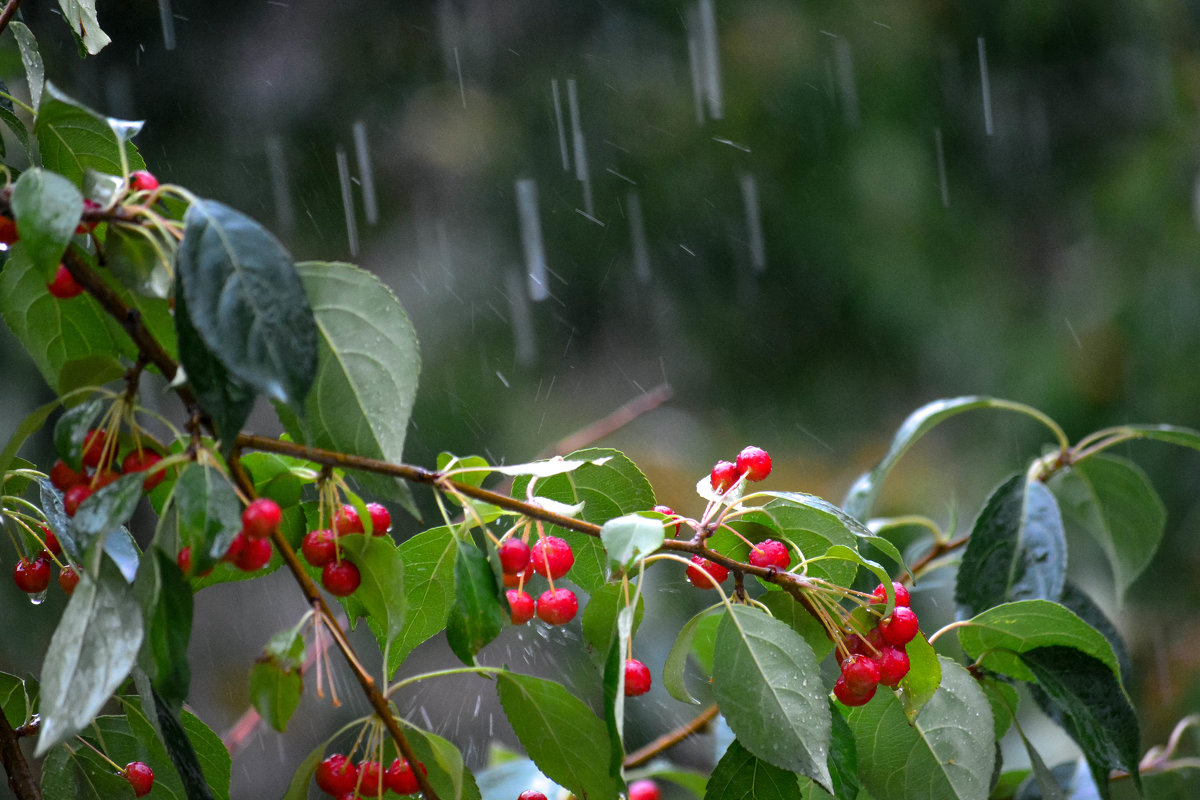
point(671, 738)
point(627, 413)
point(20, 779)
point(10, 10)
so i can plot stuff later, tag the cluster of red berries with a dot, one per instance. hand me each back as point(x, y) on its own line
point(95, 474)
point(32, 575)
point(550, 557)
point(140, 777)
point(879, 657)
point(638, 790)
point(337, 775)
point(251, 548)
point(752, 464)
point(340, 576)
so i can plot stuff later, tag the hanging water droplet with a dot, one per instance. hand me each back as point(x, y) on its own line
point(38, 598)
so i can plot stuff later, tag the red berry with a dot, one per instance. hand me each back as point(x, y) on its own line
point(637, 678)
point(370, 779)
point(724, 475)
point(62, 476)
point(236, 548)
point(8, 230)
point(68, 579)
point(89, 207)
point(340, 578)
point(551, 557)
point(902, 596)
point(74, 496)
point(893, 665)
point(140, 777)
point(667, 511)
point(184, 560)
point(850, 698)
point(860, 673)
point(901, 627)
point(514, 556)
point(381, 518)
point(318, 547)
point(700, 565)
point(401, 779)
point(142, 181)
point(770, 553)
point(261, 517)
point(523, 578)
point(521, 606)
point(856, 645)
point(255, 555)
point(346, 521)
point(142, 461)
point(337, 775)
point(63, 285)
point(644, 790)
point(531, 794)
point(33, 576)
point(52, 544)
point(754, 462)
point(93, 447)
point(557, 606)
point(102, 479)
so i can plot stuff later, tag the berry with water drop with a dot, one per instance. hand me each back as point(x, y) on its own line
point(700, 565)
point(754, 463)
point(68, 579)
point(347, 521)
point(370, 779)
point(336, 775)
point(93, 447)
point(531, 794)
point(142, 181)
point(667, 511)
point(381, 518)
point(8, 230)
point(861, 673)
point(551, 557)
point(63, 477)
point(32, 576)
point(520, 605)
point(74, 496)
point(847, 697)
point(255, 555)
point(143, 461)
point(893, 665)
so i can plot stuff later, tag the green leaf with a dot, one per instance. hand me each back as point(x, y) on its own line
point(89, 371)
point(227, 400)
point(428, 585)
point(599, 621)
point(924, 676)
point(767, 685)
point(477, 616)
point(785, 609)
point(448, 774)
point(201, 762)
point(8, 114)
point(1113, 500)
point(1004, 700)
point(72, 139)
point(1086, 609)
point(245, 300)
point(33, 422)
point(821, 516)
point(381, 593)
point(1171, 434)
point(861, 498)
point(107, 509)
point(166, 600)
point(560, 733)
point(53, 332)
point(1017, 549)
point(91, 652)
point(674, 679)
point(276, 683)
point(367, 365)
point(124, 553)
point(997, 637)
point(1046, 782)
point(948, 753)
point(1096, 712)
point(15, 702)
point(47, 207)
point(843, 755)
point(609, 485)
point(135, 263)
point(71, 429)
point(80, 775)
point(631, 538)
point(81, 16)
point(210, 514)
point(31, 59)
point(303, 776)
point(809, 527)
point(740, 775)
point(57, 519)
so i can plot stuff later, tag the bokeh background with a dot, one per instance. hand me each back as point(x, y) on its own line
point(807, 217)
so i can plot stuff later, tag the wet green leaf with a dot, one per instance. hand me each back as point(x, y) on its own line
point(46, 207)
point(477, 616)
point(72, 139)
point(276, 683)
point(631, 538)
point(741, 775)
point(428, 585)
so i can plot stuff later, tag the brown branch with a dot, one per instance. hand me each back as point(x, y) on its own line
point(20, 779)
point(670, 739)
point(939, 549)
point(10, 10)
point(627, 413)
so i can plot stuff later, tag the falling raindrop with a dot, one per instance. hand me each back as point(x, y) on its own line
point(366, 174)
point(710, 58)
point(758, 254)
point(285, 215)
point(343, 166)
point(168, 23)
point(458, 68)
point(522, 320)
point(558, 123)
point(844, 64)
point(579, 146)
point(531, 238)
point(986, 87)
point(637, 235)
point(694, 59)
point(941, 162)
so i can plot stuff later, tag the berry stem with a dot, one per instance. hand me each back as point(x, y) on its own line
point(441, 673)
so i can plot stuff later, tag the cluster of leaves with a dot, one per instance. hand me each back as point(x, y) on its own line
point(331, 347)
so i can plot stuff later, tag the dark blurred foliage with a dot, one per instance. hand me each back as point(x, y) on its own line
point(907, 251)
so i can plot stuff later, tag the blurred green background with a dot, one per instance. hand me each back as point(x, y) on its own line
point(807, 217)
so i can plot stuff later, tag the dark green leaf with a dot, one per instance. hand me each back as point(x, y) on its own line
point(740, 775)
point(210, 514)
point(107, 509)
point(477, 616)
point(811, 529)
point(246, 301)
point(861, 498)
point(631, 538)
point(46, 207)
point(608, 489)
point(767, 685)
point(674, 678)
point(199, 757)
point(90, 654)
point(31, 59)
point(15, 703)
point(72, 427)
point(381, 595)
point(822, 517)
point(1112, 500)
point(948, 753)
point(8, 116)
point(613, 679)
point(1086, 609)
point(560, 733)
point(1047, 784)
point(1096, 712)
point(80, 775)
point(1004, 700)
point(57, 519)
point(166, 600)
point(72, 139)
point(1017, 549)
point(276, 683)
point(428, 584)
point(599, 622)
point(33, 422)
point(135, 262)
point(843, 755)
point(367, 366)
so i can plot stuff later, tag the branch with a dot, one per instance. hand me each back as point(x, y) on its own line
point(647, 401)
point(670, 739)
point(20, 779)
point(10, 10)
point(939, 549)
